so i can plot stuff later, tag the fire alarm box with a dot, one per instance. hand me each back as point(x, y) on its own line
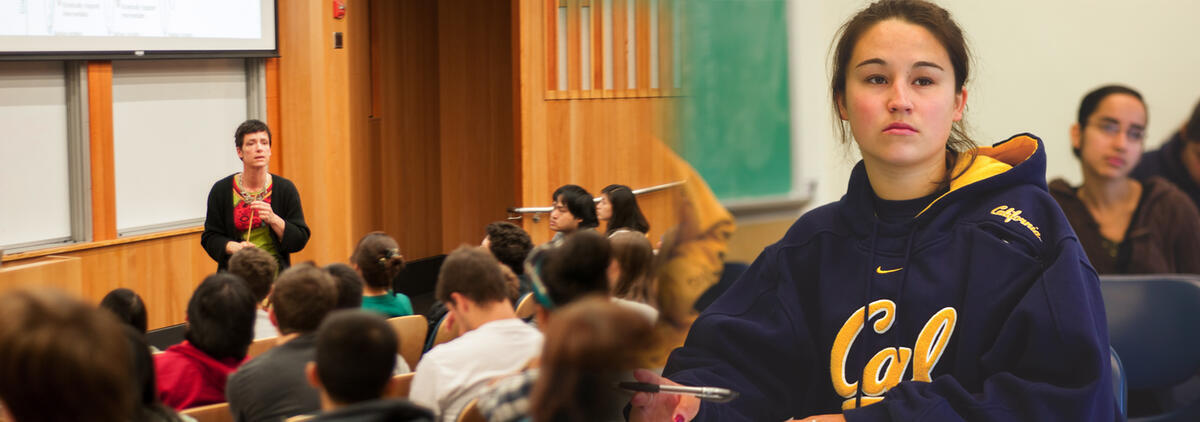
point(339, 9)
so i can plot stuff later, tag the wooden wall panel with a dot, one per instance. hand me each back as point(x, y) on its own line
point(315, 105)
point(588, 142)
point(362, 129)
point(100, 145)
point(475, 60)
point(410, 158)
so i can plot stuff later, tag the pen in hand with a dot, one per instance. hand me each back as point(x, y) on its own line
point(713, 394)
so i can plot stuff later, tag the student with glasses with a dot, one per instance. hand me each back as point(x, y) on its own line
point(1126, 226)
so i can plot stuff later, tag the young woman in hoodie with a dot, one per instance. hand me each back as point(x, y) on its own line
point(945, 285)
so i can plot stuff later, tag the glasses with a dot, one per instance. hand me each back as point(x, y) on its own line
point(1134, 133)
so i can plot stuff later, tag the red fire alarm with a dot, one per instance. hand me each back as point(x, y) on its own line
point(339, 9)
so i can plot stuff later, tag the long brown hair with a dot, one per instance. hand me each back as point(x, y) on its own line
point(941, 25)
point(589, 344)
point(634, 257)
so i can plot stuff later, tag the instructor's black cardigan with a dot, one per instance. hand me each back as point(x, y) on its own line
point(219, 228)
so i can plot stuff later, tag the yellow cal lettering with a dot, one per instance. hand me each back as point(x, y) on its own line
point(875, 383)
point(845, 338)
point(931, 343)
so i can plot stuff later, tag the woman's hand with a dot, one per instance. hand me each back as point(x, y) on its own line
point(232, 247)
point(655, 407)
point(267, 215)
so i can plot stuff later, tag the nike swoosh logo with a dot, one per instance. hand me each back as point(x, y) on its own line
point(880, 270)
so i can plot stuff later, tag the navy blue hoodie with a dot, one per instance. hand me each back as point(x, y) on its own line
point(982, 307)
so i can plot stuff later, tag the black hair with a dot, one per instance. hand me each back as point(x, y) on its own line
point(577, 268)
point(349, 285)
point(1191, 130)
point(581, 204)
point(625, 211)
point(147, 406)
point(510, 244)
point(356, 352)
point(127, 306)
point(1092, 101)
point(248, 127)
point(220, 316)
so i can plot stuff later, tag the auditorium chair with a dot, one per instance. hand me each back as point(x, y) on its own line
point(210, 413)
point(471, 413)
point(526, 307)
point(410, 330)
point(1152, 323)
point(442, 333)
point(260, 346)
point(403, 384)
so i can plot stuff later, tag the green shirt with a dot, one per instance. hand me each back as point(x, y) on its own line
point(390, 305)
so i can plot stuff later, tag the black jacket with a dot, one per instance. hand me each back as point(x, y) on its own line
point(386, 410)
point(219, 228)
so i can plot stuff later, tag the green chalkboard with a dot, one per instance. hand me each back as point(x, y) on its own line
point(735, 119)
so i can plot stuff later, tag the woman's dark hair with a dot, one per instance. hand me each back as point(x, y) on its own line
point(1092, 101)
point(147, 406)
point(589, 345)
point(581, 204)
point(248, 127)
point(577, 268)
point(941, 25)
point(625, 211)
point(1191, 130)
point(127, 306)
point(349, 285)
point(378, 259)
point(220, 317)
point(634, 257)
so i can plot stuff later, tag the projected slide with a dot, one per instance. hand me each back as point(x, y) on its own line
point(114, 25)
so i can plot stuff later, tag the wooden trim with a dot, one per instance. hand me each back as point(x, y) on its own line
point(573, 47)
point(551, 37)
point(642, 20)
point(274, 120)
point(665, 63)
point(596, 39)
point(101, 244)
point(375, 60)
point(100, 145)
point(620, 49)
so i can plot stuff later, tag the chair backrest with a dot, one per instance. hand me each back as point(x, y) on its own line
point(210, 413)
point(261, 345)
point(411, 332)
point(1152, 322)
point(403, 386)
point(444, 332)
point(527, 306)
point(471, 413)
point(1118, 376)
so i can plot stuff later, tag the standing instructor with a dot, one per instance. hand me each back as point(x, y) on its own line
point(253, 208)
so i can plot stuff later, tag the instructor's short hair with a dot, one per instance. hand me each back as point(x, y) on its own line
point(248, 127)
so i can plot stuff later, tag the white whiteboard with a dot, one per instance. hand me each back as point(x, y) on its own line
point(34, 175)
point(173, 124)
point(136, 25)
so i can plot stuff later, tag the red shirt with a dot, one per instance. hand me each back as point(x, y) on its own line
point(187, 377)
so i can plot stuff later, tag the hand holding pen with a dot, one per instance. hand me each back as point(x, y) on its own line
point(656, 407)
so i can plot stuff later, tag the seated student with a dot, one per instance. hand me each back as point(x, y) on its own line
point(61, 360)
point(629, 275)
point(128, 308)
point(350, 294)
point(590, 346)
point(510, 244)
point(568, 273)
point(147, 406)
point(272, 386)
point(1178, 160)
point(493, 341)
point(220, 327)
point(1125, 226)
point(574, 209)
point(349, 285)
point(356, 351)
point(377, 258)
point(258, 268)
point(618, 206)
